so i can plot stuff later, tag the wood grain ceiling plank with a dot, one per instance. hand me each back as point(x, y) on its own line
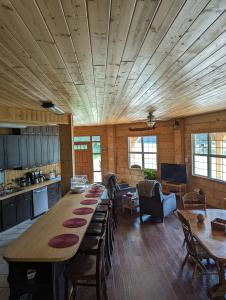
point(15, 50)
point(15, 24)
point(75, 12)
point(212, 40)
point(120, 21)
point(13, 76)
point(142, 18)
point(98, 18)
point(163, 18)
point(23, 93)
point(16, 98)
point(98, 15)
point(19, 68)
point(140, 26)
point(181, 81)
point(206, 18)
point(212, 11)
point(55, 23)
point(187, 24)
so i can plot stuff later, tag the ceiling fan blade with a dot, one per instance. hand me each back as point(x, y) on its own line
point(140, 129)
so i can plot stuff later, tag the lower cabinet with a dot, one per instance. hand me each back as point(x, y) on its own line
point(54, 193)
point(24, 207)
point(16, 210)
point(9, 207)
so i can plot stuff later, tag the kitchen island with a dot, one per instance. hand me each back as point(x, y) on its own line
point(30, 255)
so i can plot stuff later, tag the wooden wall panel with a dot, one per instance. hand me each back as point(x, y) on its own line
point(215, 190)
point(11, 175)
point(66, 155)
point(31, 117)
point(115, 147)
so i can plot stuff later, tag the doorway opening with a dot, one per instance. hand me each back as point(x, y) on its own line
point(88, 157)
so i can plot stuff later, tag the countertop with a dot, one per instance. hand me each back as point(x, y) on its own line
point(33, 246)
point(31, 188)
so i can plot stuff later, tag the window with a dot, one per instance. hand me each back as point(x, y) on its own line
point(143, 152)
point(209, 155)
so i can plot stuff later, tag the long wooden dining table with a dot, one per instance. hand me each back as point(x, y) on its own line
point(214, 242)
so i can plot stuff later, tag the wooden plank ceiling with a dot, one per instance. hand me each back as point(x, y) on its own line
point(112, 61)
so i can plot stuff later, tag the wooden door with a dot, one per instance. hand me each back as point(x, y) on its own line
point(83, 159)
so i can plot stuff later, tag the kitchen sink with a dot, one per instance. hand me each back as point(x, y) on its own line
point(10, 190)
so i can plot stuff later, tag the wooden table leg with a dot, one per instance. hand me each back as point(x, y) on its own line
point(219, 289)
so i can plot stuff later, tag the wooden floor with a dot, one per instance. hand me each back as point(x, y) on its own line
point(146, 264)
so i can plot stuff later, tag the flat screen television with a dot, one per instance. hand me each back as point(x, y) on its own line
point(174, 173)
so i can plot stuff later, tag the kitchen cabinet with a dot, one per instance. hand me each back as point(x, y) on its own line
point(38, 150)
point(12, 151)
point(51, 149)
point(56, 152)
point(31, 151)
point(23, 150)
point(2, 153)
point(54, 193)
point(24, 202)
point(16, 210)
point(0, 217)
point(28, 151)
point(9, 215)
point(44, 142)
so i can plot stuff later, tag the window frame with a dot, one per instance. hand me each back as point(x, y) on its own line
point(142, 151)
point(209, 155)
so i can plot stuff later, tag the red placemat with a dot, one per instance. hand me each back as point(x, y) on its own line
point(92, 195)
point(75, 222)
point(63, 240)
point(83, 211)
point(89, 202)
point(95, 191)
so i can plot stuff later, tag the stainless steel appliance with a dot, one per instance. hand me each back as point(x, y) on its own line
point(40, 201)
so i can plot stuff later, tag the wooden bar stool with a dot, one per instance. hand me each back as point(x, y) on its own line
point(87, 270)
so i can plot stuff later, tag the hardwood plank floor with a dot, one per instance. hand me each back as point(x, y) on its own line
point(146, 264)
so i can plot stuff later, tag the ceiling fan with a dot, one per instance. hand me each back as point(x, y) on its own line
point(150, 121)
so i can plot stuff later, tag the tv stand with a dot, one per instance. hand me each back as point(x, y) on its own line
point(174, 187)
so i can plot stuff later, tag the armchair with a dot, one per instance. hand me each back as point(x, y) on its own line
point(115, 190)
point(153, 202)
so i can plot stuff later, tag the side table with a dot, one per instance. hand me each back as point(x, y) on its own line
point(130, 202)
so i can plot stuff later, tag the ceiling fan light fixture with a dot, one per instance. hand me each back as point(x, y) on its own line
point(151, 121)
point(52, 107)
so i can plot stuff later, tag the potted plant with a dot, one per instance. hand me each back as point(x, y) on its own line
point(149, 174)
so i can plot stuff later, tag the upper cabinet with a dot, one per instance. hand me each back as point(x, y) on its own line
point(29, 150)
point(2, 153)
point(12, 152)
point(23, 150)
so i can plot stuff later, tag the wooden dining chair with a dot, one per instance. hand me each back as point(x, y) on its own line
point(194, 248)
point(194, 200)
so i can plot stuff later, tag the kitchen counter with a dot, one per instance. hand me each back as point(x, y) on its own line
point(31, 188)
point(32, 246)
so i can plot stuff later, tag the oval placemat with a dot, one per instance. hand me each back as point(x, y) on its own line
point(63, 240)
point(74, 222)
point(89, 202)
point(83, 211)
point(92, 195)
